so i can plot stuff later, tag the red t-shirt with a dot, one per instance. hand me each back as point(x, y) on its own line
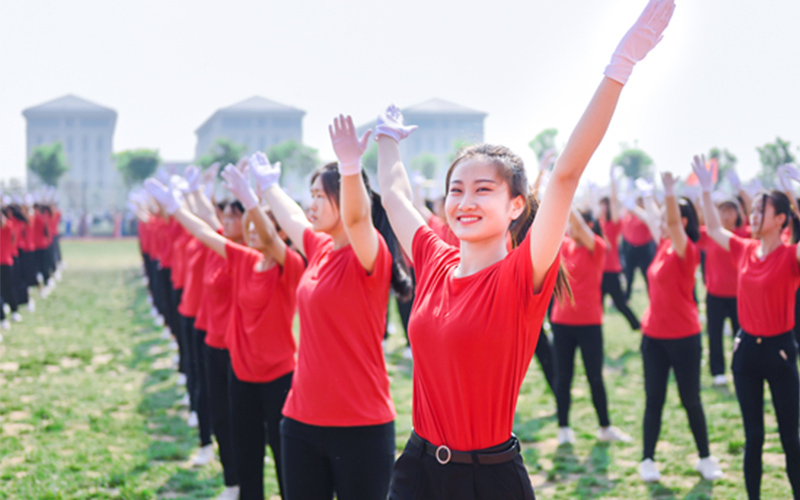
point(178, 276)
point(672, 312)
point(722, 274)
point(472, 338)
point(612, 230)
point(443, 231)
point(585, 270)
point(635, 231)
point(341, 378)
point(215, 310)
point(259, 335)
point(169, 233)
point(25, 236)
point(195, 258)
point(7, 245)
point(766, 287)
point(39, 232)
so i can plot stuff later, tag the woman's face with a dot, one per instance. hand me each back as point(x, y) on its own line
point(323, 213)
point(478, 204)
point(232, 224)
point(765, 221)
point(727, 216)
point(253, 240)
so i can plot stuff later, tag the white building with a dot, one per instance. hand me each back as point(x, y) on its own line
point(442, 125)
point(256, 122)
point(86, 132)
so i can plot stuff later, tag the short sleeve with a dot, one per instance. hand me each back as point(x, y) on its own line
point(239, 255)
point(430, 252)
point(702, 242)
point(518, 269)
point(600, 248)
point(738, 246)
point(293, 267)
point(312, 242)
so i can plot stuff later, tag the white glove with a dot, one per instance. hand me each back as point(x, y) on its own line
point(265, 174)
point(390, 124)
point(29, 201)
point(349, 148)
point(704, 175)
point(162, 176)
point(668, 181)
point(645, 33)
point(734, 179)
point(193, 177)
point(629, 202)
point(236, 182)
point(644, 186)
point(790, 170)
point(168, 198)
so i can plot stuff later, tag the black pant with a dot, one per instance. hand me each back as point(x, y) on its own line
point(8, 286)
point(637, 257)
point(544, 353)
point(165, 287)
point(354, 462)
point(255, 410)
point(683, 356)
point(566, 339)
point(418, 476)
point(612, 286)
point(21, 283)
point(199, 386)
point(717, 309)
point(796, 316)
point(218, 368)
point(774, 359)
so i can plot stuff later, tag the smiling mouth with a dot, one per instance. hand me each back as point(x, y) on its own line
point(468, 219)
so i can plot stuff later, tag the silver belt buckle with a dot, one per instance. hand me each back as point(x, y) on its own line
point(446, 460)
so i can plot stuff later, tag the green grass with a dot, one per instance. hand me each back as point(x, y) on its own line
point(89, 407)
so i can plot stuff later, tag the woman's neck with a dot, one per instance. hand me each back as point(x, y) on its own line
point(477, 256)
point(339, 235)
point(770, 242)
point(266, 263)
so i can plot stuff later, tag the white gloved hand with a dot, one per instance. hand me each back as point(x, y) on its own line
point(790, 170)
point(734, 179)
point(265, 174)
point(349, 148)
point(668, 181)
point(645, 33)
point(390, 124)
point(236, 182)
point(644, 186)
point(193, 177)
point(169, 199)
point(704, 175)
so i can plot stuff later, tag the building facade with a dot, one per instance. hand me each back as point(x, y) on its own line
point(258, 123)
point(86, 133)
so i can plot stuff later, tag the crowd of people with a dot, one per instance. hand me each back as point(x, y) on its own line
point(475, 275)
point(30, 256)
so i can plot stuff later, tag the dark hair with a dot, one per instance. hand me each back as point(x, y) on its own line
point(593, 223)
point(237, 206)
point(735, 205)
point(605, 200)
point(221, 205)
point(782, 205)
point(401, 277)
point(511, 169)
point(690, 214)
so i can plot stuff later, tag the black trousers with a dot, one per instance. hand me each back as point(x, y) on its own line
point(43, 264)
point(418, 476)
point(255, 414)
point(20, 280)
point(637, 257)
point(683, 357)
point(796, 316)
point(566, 340)
point(774, 359)
point(717, 310)
point(27, 261)
point(8, 287)
point(612, 286)
point(165, 286)
point(199, 386)
point(354, 462)
point(544, 354)
point(217, 373)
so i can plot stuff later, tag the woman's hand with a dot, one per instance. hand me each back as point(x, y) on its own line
point(390, 124)
point(349, 148)
point(265, 173)
point(704, 175)
point(236, 182)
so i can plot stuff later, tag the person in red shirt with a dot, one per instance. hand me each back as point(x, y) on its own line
point(578, 323)
point(612, 268)
point(479, 308)
point(338, 426)
point(638, 248)
point(671, 331)
point(8, 278)
point(721, 275)
point(764, 348)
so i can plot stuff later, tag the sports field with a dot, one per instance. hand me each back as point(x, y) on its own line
point(89, 407)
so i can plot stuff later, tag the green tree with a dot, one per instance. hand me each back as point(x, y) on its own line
point(426, 164)
point(544, 141)
point(634, 161)
point(136, 165)
point(773, 155)
point(48, 162)
point(223, 151)
point(297, 159)
point(725, 160)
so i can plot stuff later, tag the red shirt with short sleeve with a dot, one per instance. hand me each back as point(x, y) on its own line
point(341, 378)
point(722, 274)
point(585, 271)
point(215, 309)
point(635, 231)
point(612, 231)
point(672, 312)
point(767, 287)
point(169, 232)
point(259, 335)
point(193, 283)
point(7, 243)
point(178, 275)
point(472, 339)
point(25, 240)
point(39, 232)
point(443, 231)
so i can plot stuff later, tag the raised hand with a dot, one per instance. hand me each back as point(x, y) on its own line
point(669, 183)
point(390, 124)
point(347, 145)
point(704, 175)
point(790, 171)
point(645, 33)
point(547, 160)
point(193, 177)
point(236, 182)
point(265, 174)
point(644, 186)
point(169, 199)
point(734, 179)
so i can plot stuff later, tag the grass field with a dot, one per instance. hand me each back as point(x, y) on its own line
point(89, 407)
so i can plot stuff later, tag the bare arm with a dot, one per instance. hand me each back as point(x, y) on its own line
point(713, 226)
point(288, 214)
point(581, 230)
point(268, 234)
point(201, 231)
point(613, 205)
point(419, 202)
point(548, 229)
point(202, 208)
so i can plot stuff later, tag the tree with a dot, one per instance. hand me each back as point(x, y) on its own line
point(136, 165)
point(223, 151)
point(426, 164)
point(48, 162)
point(544, 141)
point(635, 162)
point(773, 155)
point(725, 159)
point(296, 159)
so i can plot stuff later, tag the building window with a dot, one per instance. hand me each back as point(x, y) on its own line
point(99, 143)
point(284, 122)
point(94, 122)
point(43, 122)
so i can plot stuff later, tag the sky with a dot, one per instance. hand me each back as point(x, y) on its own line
point(726, 74)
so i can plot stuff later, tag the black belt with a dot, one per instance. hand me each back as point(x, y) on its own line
point(444, 455)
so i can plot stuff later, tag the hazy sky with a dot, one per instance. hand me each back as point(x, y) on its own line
point(727, 73)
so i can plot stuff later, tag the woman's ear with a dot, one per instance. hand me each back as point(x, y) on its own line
point(517, 207)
